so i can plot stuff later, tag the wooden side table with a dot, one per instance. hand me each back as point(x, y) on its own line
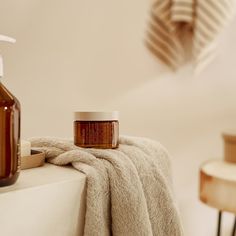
point(218, 188)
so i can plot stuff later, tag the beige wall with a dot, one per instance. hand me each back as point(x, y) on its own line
point(83, 55)
point(89, 55)
point(73, 55)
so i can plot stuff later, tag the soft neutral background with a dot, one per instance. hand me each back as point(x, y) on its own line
point(89, 55)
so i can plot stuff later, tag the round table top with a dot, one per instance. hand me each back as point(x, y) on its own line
point(220, 169)
point(218, 185)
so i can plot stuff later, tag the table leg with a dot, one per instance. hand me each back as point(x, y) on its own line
point(219, 223)
point(234, 228)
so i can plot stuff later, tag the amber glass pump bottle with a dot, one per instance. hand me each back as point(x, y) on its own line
point(9, 131)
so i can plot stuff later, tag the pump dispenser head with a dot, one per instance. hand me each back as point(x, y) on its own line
point(4, 38)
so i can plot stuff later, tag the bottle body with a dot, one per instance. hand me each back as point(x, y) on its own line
point(9, 137)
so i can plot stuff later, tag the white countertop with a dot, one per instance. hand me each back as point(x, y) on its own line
point(47, 174)
point(45, 201)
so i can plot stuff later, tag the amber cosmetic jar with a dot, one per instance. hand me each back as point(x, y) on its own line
point(96, 129)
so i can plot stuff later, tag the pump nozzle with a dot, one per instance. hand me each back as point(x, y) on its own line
point(4, 38)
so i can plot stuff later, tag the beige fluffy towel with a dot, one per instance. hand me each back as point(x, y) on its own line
point(187, 30)
point(129, 189)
